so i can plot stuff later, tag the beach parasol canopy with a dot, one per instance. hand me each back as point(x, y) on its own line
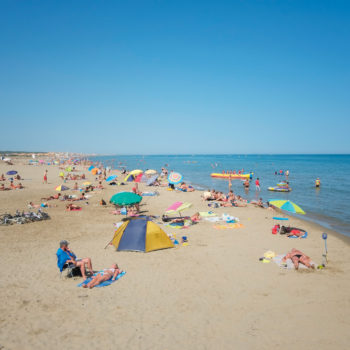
point(151, 180)
point(95, 171)
point(178, 207)
point(110, 178)
point(11, 172)
point(287, 206)
point(151, 172)
point(125, 198)
point(135, 172)
point(175, 178)
point(61, 188)
point(91, 167)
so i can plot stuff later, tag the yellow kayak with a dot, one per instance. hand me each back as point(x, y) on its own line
point(232, 176)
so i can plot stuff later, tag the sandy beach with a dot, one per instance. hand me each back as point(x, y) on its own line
point(212, 294)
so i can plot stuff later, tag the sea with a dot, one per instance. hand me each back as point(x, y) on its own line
point(328, 205)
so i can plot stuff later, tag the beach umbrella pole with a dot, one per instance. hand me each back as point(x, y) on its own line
point(325, 256)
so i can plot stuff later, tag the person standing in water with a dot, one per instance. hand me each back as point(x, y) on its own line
point(257, 184)
point(318, 183)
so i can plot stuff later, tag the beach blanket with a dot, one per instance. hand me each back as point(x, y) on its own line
point(290, 266)
point(103, 284)
point(227, 218)
point(303, 236)
point(228, 226)
point(150, 194)
point(205, 214)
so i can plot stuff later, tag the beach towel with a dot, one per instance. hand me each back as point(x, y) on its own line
point(228, 226)
point(150, 194)
point(74, 209)
point(205, 214)
point(290, 266)
point(103, 284)
point(303, 236)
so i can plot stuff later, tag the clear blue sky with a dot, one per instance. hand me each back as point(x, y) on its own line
point(175, 76)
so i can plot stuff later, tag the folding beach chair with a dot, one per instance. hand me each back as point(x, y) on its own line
point(71, 270)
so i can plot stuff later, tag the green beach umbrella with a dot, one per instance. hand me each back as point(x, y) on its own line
point(287, 206)
point(125, 198)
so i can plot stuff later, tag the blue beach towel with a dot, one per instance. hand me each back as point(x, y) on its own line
point(103, 284)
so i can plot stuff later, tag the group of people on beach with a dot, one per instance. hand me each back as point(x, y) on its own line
point(12, 185)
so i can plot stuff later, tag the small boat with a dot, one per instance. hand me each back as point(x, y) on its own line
point(232, 176)
point(280, 189)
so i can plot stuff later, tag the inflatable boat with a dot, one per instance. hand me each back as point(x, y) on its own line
point(279, 189)
point(232, 176)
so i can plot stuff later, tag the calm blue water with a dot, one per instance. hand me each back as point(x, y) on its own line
point(328, 205)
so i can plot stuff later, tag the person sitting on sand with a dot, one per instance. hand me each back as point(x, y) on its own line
point(72, 207)
point(75, 186)
point(258, 203)
point(298, 257)
point(100, 185)
point(65, 256)
point(3, 188)
point(132, 211)
point(17, 177)
point(12, 185)
point(104, 275)
point(81, 198)
point(186, 188)
point(19, 186)
point(2, 177)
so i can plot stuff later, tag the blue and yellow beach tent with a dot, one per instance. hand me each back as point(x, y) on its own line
point(132, 175)
point(142, 235)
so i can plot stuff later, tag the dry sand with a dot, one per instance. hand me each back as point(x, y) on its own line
point(212, 294)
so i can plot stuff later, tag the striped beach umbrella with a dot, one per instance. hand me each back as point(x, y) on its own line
point(175, 178)
point(178, 207)
point(287, 206)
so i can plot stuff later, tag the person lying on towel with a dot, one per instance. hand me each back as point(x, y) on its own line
point(298, 257)
point(72, 207)
point(104, 275)
point(194, 218)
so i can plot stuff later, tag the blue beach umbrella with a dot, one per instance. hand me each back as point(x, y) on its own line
point(110, 178)
point(91, 167)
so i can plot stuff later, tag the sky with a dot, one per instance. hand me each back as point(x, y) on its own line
point(174, 77)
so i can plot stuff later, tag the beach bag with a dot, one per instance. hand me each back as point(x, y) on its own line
point(275, 229)
point(284, 230)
